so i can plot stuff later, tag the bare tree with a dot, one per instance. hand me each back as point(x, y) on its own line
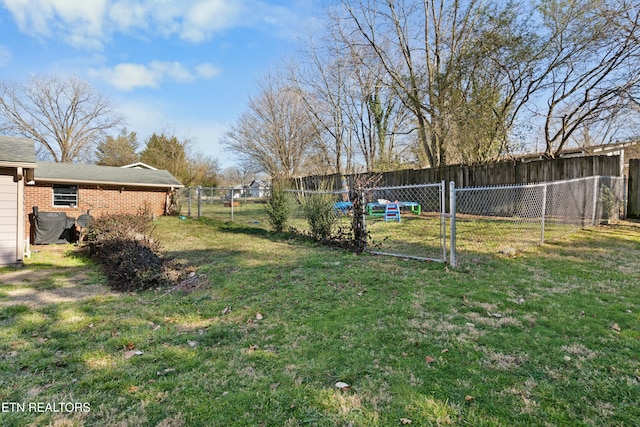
point(66, 116)
point(421, 46)
point(275, 134)
point(470, 70)
point(594, 66)
point(322, 82)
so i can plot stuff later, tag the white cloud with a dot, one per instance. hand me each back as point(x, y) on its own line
point(78, 22)
point(91, 23)
point(128, 76)
point(208, 71)
point(208, 16)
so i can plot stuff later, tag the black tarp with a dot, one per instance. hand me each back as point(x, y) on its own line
point(52, 227)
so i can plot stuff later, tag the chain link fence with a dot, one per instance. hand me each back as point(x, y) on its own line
point(411, 221)
point(403, 221)
point(509, 219)
point(237, 204)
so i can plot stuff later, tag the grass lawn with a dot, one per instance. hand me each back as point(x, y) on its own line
point(549, 337)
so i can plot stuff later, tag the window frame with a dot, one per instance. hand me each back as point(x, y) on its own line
point(68, 199)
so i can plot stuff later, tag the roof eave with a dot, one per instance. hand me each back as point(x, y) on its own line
point(111, 183)
point(25, 165)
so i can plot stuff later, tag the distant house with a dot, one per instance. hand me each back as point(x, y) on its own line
point(626, 150)
point(17, 164)
point(259, 189)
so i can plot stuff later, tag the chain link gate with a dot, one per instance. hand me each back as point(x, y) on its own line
point(407, 221)
point(415, 229)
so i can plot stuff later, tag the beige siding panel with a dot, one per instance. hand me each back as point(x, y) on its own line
point(8, 220)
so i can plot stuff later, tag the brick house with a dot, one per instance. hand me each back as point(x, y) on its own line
point(77, 188)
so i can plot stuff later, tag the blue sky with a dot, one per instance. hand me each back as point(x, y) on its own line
point(185, 67)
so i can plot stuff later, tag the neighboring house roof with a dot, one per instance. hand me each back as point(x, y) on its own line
point(588, 150)
point(139, 165)
point(259, 183)
point(17, 152)
point(72, 173)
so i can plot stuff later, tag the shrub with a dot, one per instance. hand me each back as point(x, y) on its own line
point(129, 254)
point(279, 207)
point(321, 215)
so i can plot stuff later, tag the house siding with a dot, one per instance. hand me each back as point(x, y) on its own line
point(9, 245)
point(100, 200)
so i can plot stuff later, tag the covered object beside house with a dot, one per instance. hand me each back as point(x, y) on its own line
point(17, 164)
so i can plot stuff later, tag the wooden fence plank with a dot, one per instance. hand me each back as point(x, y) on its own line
point(633, 204)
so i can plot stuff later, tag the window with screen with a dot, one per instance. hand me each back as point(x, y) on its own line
point(65, 196)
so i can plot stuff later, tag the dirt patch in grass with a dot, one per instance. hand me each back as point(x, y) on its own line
point(37, 286)
point(41, 297)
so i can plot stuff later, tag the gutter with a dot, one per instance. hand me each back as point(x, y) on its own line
point(112, 183)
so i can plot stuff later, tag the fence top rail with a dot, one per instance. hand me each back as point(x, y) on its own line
point(316, 192)
point(534, 185)
point(402, 187)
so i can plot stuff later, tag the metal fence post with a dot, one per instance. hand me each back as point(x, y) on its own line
point(544, 212)
point(232, 200)
point(452, 214)
point(596, 181)
point(189, 202)
point(199, 193)
point(443, 220)
point(624, 196)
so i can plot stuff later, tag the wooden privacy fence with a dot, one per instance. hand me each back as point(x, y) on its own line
point(633, 204)
point(500, 173)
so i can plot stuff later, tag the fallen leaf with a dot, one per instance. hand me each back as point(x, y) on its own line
point(446, 350)
point(259, 316)
point(616, 328)
point(253, 348)
point(192, 344)
point(469, 398)
point(226, 310)
point(567, 358)
point(129, 354)
point(342, 386)
point(165, 371)
point(130, 346)
point(429, 359)
point(405, 421)
point(133, 389)
point(496, 315)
